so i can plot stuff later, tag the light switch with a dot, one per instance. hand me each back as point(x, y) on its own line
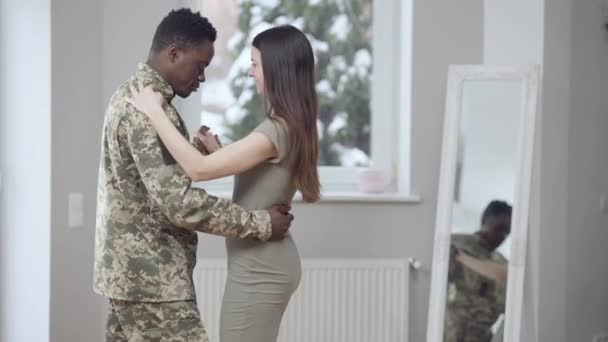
point(75, 210)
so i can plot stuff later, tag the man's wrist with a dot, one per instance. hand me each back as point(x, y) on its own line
point(262, 218)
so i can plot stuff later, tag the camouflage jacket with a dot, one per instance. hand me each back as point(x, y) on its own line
point(470, 295)
point(147, 210)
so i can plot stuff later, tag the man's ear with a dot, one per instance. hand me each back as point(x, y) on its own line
point(173, 52)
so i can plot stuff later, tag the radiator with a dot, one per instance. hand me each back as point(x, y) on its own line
point(338, 300)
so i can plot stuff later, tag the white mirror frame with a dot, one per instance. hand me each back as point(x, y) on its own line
point(457, 75)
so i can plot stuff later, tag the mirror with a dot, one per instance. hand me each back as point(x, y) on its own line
point(482, 204)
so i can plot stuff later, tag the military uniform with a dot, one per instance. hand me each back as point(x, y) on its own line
point(474, 302)
point(147, 218)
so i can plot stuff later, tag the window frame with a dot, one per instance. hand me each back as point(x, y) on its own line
point(390, 133)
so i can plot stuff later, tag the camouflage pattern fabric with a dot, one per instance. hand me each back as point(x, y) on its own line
point(474, 302)
point(154, 322)
point(147, 210)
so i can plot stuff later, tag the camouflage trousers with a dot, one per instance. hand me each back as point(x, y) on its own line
point(154, 322)
point(463, 328)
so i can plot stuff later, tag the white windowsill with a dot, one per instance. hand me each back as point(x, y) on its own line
point(359, 197)
point(350, 197)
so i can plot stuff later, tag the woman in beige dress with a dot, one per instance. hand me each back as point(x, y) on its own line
point(274, 161)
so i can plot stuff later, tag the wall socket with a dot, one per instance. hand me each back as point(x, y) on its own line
point(600, 337)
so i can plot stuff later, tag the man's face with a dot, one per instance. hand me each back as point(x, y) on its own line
point(186, 69)
point(496, 229)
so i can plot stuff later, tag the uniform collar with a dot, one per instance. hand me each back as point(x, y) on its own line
point(150, 76)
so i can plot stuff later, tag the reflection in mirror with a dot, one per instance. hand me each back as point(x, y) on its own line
point(483, 203)
point(484, 185)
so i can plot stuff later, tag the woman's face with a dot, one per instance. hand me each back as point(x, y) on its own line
point(256, 70)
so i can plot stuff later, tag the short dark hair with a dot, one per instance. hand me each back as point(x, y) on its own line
point(496, 208)
point(183, 27)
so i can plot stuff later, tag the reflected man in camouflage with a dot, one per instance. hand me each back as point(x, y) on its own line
point(148, 213)
point(475, 301)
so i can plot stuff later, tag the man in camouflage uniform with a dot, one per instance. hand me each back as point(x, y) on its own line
point(147, 211)
point(475, 302)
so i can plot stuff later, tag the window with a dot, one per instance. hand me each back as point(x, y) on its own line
point(362, 55)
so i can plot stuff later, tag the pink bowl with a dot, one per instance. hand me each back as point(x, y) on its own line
point(373, 180)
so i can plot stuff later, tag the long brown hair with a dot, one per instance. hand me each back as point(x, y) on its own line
point(289, 82)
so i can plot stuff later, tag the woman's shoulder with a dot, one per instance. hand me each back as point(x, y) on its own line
point(275, 128)
point(275, 122)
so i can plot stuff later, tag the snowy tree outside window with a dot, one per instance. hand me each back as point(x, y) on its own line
point(340, 32)
point(364, 95)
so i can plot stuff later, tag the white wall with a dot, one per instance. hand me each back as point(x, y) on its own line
point(586, 254)
point(513, 31)
point(566, 283)
point(50, 55)
point(25, 116)
point(128, 28)
point(514, 34)
point(552, 185)
point(76, 312)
